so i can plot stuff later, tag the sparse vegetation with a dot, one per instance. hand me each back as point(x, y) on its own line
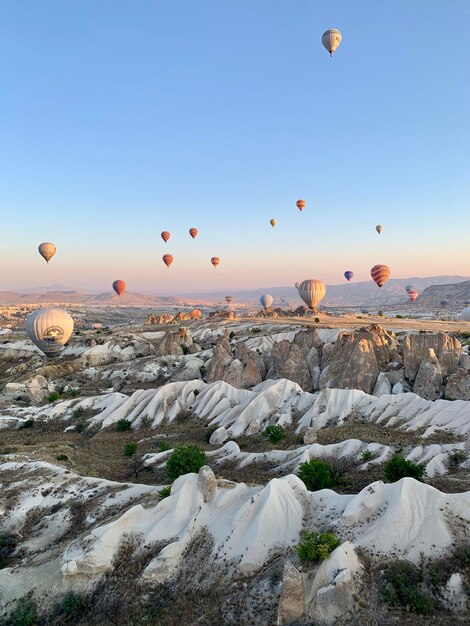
point(398, 467)
point(53, 396)
point(255, 330)
point(8, 542)
point(123, 425)
point(274, 433)
point(316, 546)
point(367, 456)
point(163, 446)
point(25, 613)
point(62, 457)
point(164, 492)
point(403, 587)
point(130, 449)
point(316, 474)
point(185, 459)
point(185, 349)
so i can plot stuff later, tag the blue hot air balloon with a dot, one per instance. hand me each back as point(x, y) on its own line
point(348, 275)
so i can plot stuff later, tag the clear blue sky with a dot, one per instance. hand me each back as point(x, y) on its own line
point(119, 119)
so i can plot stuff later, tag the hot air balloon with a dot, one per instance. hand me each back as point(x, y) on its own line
point(215, 261)
point(283, 298)
point(412, 295)
point(301, 204)
point(47, 250)
point(296, 285)
point(331, 39)
point(465, 314)
point(193, 232)
point(49, 329)
point(273, 222)
point(266, 301)
point(228, 299)
point(165, 235)
point(409, 288)
point(379, 228)
point(312, 292)
point(348, 275)
point(444, 302)
point(380, 274)
point(119, 286)
point(167, 259)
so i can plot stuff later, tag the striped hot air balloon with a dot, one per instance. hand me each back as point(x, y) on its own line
point(312, 292)
point(119, 286)
point(331, 39)
point(412, 295)
point(215, 261)
point(165, 235)
point(301, 204)
point(348, 275)
point(266, 301)
point(167, 259)
point(193, 232)
point(47, 250)
point(380, 274)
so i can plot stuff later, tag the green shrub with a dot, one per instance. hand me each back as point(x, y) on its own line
point(185, 459)
point(274, 433)
point(25, 613)
point(29, 423)
point(316, 474)
point(72, 605)
point(380, 313)
point(255, 330)
point(163, 446)
point(8, 543)
point(130, 449)
point(367, 456)
point(62, 457)
point(316, 546)
point(317, 320)
point(122, 425)
point(73, 393)
point(52, 397)
point(164, 492)
point(399, 317)
point(403, 588)
point(398, 467)
point(185, 349)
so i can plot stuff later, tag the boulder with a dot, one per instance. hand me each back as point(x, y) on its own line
point(429, 380)
point(458, 385)
point(37, 389)
point(291, 603)
point(416, 348)
point(310, 435)
point(287, 361)
point(352, 365)
point(207, 483)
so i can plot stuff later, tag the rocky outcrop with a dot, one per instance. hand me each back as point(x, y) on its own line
point(416, 348)
point(291, 603)
point(37, 389)
point(242, 368)
point(287, 361)
point(458, 385)
point(428, 381)
point(353, 365)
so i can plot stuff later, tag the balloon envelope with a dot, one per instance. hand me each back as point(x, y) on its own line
point(409, 288)
point(412, 295)
point(301, 204)
point(273, 222)
point(380, 274)
point(283, 298)
point(119, 286)
point(465, 314)
point(228, 299)
point(444, 302)
point(165, 235)
point(331, 39)
point(215, 261)
point(167, 259)
point(379, 228)
point(296, 285)
point(266, 300)
point(312, 292)
point(193, 232)
point(348, 275)
point(47, 250)
point(49, 329)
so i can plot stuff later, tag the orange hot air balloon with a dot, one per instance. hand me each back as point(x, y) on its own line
point(301, 204)
point(167, 259)
point(165, 235)
point(119, 286)
point(193, 232)
point(273, 222)
point(380, 274)
point(215, 261)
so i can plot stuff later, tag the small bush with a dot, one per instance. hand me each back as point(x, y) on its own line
point(274, 433)
point(185, 349)
point(399, 317)
point(29, 423)
point(316, 546)
point(78, 412)
point(196, 392)
point(398, 467)
point(316, 475)
point(73, 393)
point(72, 605)
point(130, 449)
point(62, 457)
point(53, 397)
point(25, 613)
point(164, 492)
point(163, 446)
point(367, 456)
point(317, 320)
point(185, 459)
point(380, 313)
point(402, 587)
point(456, 457)
point(7, 547)
point(122, 425)
point(255, 330)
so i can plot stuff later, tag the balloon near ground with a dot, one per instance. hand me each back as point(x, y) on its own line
point(331, 39)
point(412, 295)
point(379, 228)
point(165, 235)
point(47, 250)
point(312, 292)
point(380, 274)
point(167, 259)
point(215, 261)
point(193, 232)
point(49, 329)
point(273, 222)
point(228, 299)
point(266, 301)
point(119, 286)
point(301, 204)
point(465, 314)
point(348, 275)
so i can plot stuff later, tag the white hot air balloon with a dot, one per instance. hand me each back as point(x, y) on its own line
point(266, 301)
point(47, 250)
point(465, 315)
point(49, 329)
point(312, 292)
point(331, 39)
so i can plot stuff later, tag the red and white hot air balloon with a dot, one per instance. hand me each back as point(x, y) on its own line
point(301, 204)
point(412, 295)
point(167, 259)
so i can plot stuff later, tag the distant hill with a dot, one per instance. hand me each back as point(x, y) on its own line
point(456, 294)
point(79, 297)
